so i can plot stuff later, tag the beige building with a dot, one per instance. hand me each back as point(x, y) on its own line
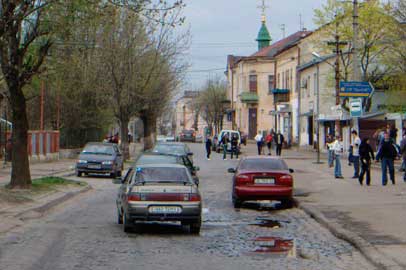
point(185, 114)
point(262, 87)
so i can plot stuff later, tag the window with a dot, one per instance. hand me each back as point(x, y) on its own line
point(287, 79)
point(270, 83)
point(308, 83)
point(283, 79)
point(279, 81)
point(291, 80)
point(253, 83)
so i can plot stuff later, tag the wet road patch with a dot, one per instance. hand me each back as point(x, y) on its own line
point(276, 246)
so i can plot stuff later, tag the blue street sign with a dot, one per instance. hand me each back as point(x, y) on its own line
point(355, 89)
point(355, 107)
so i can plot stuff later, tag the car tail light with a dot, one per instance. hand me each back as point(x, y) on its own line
point(242, 179)
point(194, 197)
point(286, 179)
point(134, 198)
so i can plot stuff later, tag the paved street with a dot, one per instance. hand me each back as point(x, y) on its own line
point(82, 234)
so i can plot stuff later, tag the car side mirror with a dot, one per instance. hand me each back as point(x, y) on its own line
point(119, 154)
point(231, 170)
point(291, 170)
point(190, 154)
point(196, 168)
point(118, 181)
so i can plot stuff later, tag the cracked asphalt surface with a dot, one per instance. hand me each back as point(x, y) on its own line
point(83, 234)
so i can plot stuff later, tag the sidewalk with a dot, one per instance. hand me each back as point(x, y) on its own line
point(372, 218)
point(40, 169)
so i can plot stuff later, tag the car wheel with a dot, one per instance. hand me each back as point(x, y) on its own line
point(119, 218)
point(119, 173)
point(195, 226)
point(237, 202)
point(127, 224)
point(78, 173)
point(287, 203)
point(113, 174)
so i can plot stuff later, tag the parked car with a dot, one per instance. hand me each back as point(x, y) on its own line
point(187, 135)
point(176, 148)
point(230, 134)
point(158, 192)
point(199, 138)
point(262, 178)
point(159, 158)
point(101, 158)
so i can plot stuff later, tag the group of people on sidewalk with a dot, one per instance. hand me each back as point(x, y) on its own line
point(361, 156)
point(270, 137)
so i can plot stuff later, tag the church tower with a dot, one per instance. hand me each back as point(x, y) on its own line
point(263, 38)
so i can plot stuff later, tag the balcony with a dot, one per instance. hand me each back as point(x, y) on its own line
point(249, 97)
point(281, 95)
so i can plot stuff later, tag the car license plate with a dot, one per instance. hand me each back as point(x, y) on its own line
point(94, 166)
point(165, 209)
point(265, 181)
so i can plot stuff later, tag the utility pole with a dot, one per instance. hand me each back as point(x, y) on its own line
point(355, 50)
point(337, 43)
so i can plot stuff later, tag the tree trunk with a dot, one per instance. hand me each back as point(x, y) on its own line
point(20, 172)
point(149, 123)
point(124, 146)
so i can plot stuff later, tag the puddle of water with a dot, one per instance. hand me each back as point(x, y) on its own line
point(268, 223)
point(275, 246)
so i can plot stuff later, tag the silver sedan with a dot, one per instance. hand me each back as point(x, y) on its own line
point(159, 192)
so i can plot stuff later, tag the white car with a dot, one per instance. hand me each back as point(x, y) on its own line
point(230, 134)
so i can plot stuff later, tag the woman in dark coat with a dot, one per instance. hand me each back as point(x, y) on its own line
point(366, 154)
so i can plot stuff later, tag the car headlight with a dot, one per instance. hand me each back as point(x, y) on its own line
point(81, 161)
point(108, 162)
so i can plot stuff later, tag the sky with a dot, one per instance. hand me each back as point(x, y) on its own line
point(223, 27)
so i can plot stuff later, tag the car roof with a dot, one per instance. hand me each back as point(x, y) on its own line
point(171, 143)
point(151, 153)
point(263, 157)
point(162, 165)
point(101, 143)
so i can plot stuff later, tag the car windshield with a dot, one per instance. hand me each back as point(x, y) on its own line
point(156, 159)
point(95, 149)
point(177, 149)
point(162, 175)
point(188, 131)
point(263, 164)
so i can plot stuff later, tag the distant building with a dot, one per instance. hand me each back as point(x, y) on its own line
point(186, 115)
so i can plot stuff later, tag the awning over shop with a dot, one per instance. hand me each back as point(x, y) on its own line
point(280, 91)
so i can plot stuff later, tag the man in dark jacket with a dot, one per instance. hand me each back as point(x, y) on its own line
point(208, 147)
point(366, 154)
point(387, 154)
point(279, 142)
point(234, 146)
point(403, 152)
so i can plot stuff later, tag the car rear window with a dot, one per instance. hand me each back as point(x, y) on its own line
point(263, 164)
point(155, 159)
point(162, 174)
point(177, 149)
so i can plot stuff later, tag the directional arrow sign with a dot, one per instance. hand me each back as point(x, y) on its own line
point(355, 89)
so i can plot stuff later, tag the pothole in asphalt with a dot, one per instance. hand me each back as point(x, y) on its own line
point(268, 223)
point(275, 246)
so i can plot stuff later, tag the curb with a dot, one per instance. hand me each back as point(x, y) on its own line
point(367, 249)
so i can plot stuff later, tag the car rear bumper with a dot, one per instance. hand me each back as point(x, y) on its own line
point(263, 192)
point(140, 212)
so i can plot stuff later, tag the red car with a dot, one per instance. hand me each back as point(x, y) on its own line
point(262, 178)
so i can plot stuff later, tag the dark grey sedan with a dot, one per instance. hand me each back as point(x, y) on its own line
point(101, 158)
point(159, 192)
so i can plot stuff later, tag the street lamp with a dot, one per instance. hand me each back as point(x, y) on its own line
point(319, 59)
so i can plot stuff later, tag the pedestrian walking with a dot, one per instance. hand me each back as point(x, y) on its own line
point(234, 146)
point(224, 143)
point(208, 147)
point(279, 143)
point(259, 139)
point(268, 141)
point(338, 149)
point(366, 154)
point(329, 144)
point(387, 154)
point(403, 152)
point(356, 141)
